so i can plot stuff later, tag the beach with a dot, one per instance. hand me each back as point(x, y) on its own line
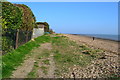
point(107, 45)
point(107, 65)
point(72, 56)
point(65, 40)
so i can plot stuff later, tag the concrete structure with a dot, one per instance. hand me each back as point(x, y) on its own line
point(38, 31)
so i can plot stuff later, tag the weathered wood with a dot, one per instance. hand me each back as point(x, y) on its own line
point(17, 37)
point(27, 36)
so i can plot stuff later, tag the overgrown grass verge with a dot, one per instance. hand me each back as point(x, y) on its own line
point(13, 59)
point(68, 54)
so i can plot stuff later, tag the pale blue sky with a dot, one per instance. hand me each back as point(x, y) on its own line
point(63, 0)
point(78, 17)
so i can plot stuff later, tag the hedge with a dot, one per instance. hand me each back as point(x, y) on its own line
point(28, 18)
point(15, 16)
point(11, 20)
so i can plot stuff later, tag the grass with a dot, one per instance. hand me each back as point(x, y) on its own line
point(67, 53)
point(45, 54)
point(46, 61)
point(33, 73)
point(13, 59)
point(44, 69)
point(0, 67)
point(36, 64)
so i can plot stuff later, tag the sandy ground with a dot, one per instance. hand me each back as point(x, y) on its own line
point(107, 45)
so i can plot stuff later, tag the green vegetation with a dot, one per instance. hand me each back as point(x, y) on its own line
point(88, 51)
point(11, 20)
point(13, 59)
point(112, 76)
point(46, 61)
point(15, 16)
point(67, 54)
point(28, 18)
point(44, 54)
point(11, 16)
point(33, 73)
point(44, 69)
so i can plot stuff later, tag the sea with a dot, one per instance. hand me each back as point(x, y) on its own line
point(104, 36)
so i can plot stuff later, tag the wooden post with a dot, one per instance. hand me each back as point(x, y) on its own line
point(27, 37)
point(17, 35)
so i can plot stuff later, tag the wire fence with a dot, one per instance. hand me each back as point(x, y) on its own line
point(12, 39)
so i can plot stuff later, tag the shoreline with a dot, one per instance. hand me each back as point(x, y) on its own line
point(104, 44)
point(96, 37)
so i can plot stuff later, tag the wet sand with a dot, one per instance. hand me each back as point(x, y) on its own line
point(107, 45)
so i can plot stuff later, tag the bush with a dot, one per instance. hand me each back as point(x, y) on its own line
point(28, 18)
point(11, 15)
point(11, 20)
point(15, 16)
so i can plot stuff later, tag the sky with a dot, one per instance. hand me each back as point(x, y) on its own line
point(77, 17)
point(63, 0)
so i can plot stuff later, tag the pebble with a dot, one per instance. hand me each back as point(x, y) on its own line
point(98, 68)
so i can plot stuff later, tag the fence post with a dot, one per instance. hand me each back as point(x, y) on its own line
point(17, 35)
point(27, 36)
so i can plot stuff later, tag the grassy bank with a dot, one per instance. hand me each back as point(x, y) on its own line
point(66, 54)
point(13, 59)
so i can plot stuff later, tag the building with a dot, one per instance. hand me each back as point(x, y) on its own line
point(38, 30)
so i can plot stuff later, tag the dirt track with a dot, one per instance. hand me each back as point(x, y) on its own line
point(28, 65)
